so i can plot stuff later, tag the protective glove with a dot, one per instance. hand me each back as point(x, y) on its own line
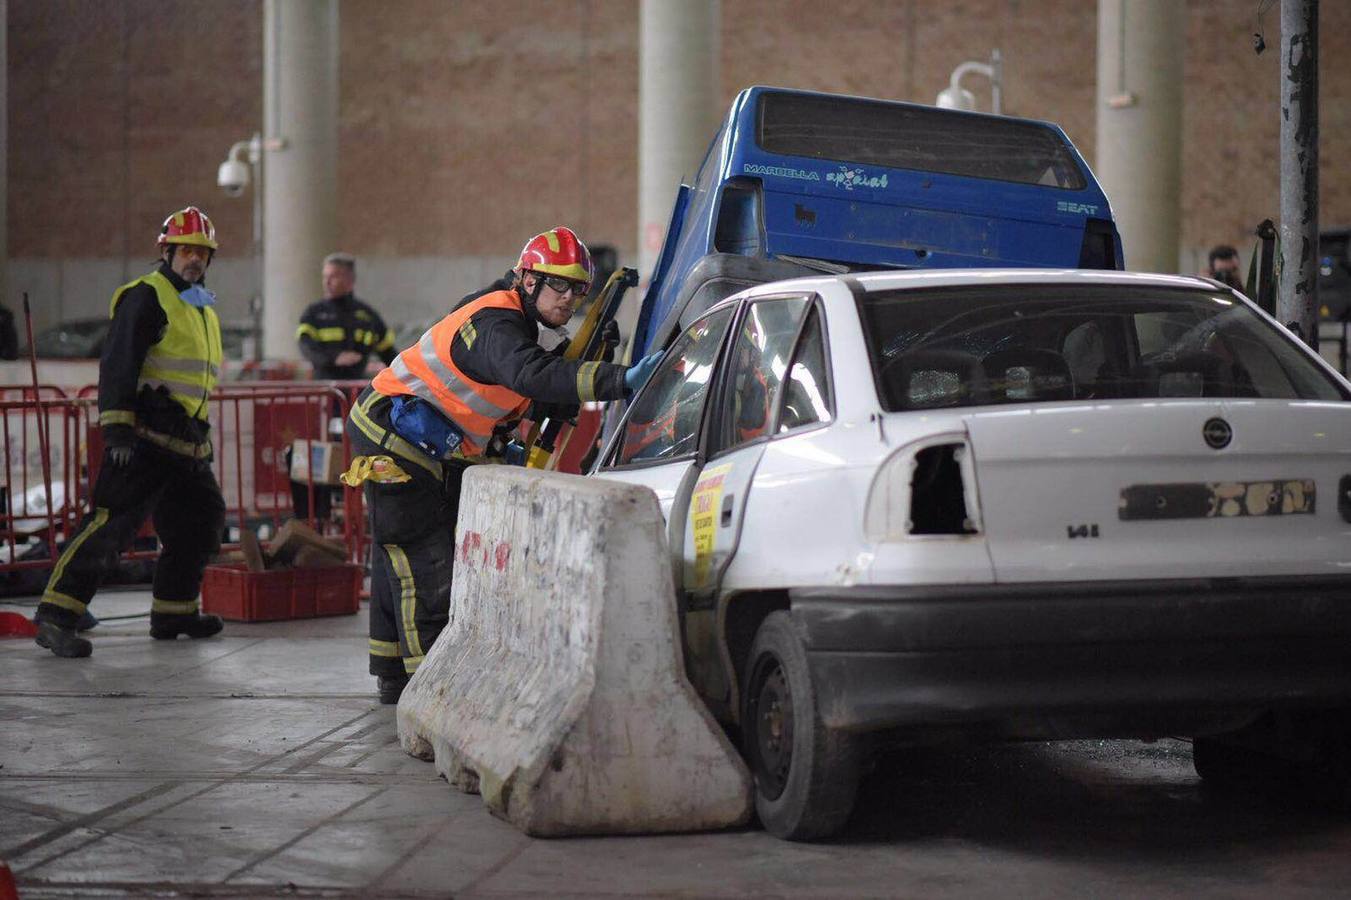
point(640, 371)
point(120, 455)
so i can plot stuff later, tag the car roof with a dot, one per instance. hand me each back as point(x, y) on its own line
point(881, 281)
point(874, 282)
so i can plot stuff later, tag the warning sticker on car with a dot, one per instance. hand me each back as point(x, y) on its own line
point(704, 518)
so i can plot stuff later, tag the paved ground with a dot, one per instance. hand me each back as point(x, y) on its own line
point(258, 764)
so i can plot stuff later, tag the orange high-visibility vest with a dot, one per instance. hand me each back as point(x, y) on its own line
point(426, 370)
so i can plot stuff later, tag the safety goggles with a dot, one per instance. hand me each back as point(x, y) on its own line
point(563, 285)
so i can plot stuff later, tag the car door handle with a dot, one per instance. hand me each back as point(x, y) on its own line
point(727, 511)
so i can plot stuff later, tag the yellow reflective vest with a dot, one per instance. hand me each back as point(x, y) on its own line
point(186, 359)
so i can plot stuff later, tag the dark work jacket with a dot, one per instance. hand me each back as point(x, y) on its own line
point(328, 327)
point(9, 336)
point(138, 322)
point(506, 351)
point(539, 410)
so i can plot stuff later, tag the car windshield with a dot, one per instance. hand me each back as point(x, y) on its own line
point(1021, 343)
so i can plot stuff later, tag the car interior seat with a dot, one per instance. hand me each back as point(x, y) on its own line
point(1193, 374)
point(1024, 373)
point(925, 379)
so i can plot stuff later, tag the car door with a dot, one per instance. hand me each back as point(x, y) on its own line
point(744, 417)
point(658, 438)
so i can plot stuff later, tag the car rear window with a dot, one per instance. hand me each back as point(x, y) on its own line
point(902, 136)
point(1030, 343)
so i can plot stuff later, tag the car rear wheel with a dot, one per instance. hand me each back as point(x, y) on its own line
point(806, 775)
point(1332, 771)
point(1221, 763)
point(1311, 751)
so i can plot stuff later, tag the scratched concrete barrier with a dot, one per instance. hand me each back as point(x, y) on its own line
point(557, 691)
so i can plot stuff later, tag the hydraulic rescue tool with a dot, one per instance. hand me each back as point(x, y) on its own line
point(587, 344)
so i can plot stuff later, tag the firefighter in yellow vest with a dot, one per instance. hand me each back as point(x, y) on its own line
point(444, 404)
point(160, 363)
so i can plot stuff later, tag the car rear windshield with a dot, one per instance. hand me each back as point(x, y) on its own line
point(916, 137)
point(1031, 343)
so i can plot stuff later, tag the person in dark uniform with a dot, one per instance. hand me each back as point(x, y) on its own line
point(9, 335)
point(438, 408)
point(340, 333)
point(160, 362)
point(1222, 265)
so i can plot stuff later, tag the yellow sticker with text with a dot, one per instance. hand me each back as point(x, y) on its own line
point(704, 505)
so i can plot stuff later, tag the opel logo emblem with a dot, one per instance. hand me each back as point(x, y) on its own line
point(1217, 433)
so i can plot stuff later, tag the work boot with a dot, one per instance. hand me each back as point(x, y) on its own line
point(391, 688)
point(196, 625)
point(86, 621)
point(62, 641)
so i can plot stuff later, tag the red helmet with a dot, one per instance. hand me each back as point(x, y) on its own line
point(557, 251)
point(188, 226)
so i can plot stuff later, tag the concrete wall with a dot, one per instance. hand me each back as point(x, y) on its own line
point(464, 127)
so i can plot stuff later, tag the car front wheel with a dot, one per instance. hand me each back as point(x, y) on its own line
point(806, 775)
point(1310, 749)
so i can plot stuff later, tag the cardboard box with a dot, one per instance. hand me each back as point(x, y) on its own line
point(323, 458)
point(294, 535)
point(251, 552)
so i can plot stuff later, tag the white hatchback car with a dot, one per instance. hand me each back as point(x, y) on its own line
point(1008, 504)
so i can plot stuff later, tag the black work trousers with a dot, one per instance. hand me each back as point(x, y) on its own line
point(188, 511)
point(412, 550)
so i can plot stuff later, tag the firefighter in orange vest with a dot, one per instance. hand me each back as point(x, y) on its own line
point(160, 362)
point(443, 404)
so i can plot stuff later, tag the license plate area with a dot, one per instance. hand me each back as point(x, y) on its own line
point(1217, 499)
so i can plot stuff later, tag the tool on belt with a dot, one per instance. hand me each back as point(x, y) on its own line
point(587, 344)
point(422, 425)
point(380, 469)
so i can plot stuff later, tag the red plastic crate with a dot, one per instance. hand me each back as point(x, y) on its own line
point(234, 593)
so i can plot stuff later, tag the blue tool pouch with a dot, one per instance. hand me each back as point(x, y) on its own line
point(422, 425)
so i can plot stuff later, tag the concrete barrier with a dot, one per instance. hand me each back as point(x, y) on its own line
point(558, 690)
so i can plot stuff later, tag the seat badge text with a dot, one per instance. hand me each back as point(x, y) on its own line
point(1067, 206)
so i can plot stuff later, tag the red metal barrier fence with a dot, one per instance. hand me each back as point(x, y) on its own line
point(254, 426)
point(35, 512)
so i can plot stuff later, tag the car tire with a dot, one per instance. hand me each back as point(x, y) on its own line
point(1310, 753)
point(806, 775)
point(1223, 764)
point(1331, 775)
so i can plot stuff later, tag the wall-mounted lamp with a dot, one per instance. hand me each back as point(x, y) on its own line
point(954, 96)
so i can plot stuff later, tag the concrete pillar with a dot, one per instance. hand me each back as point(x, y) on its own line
point(1297, 290)
point(1139, 125)
point(678, 92)
point(300, 161)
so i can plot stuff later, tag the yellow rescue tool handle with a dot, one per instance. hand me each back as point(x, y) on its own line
point(603, 308)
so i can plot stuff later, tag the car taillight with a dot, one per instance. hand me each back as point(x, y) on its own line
point(1098, 249)
point(927, 488)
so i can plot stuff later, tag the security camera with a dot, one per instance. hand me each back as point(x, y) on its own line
point(233, 177)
